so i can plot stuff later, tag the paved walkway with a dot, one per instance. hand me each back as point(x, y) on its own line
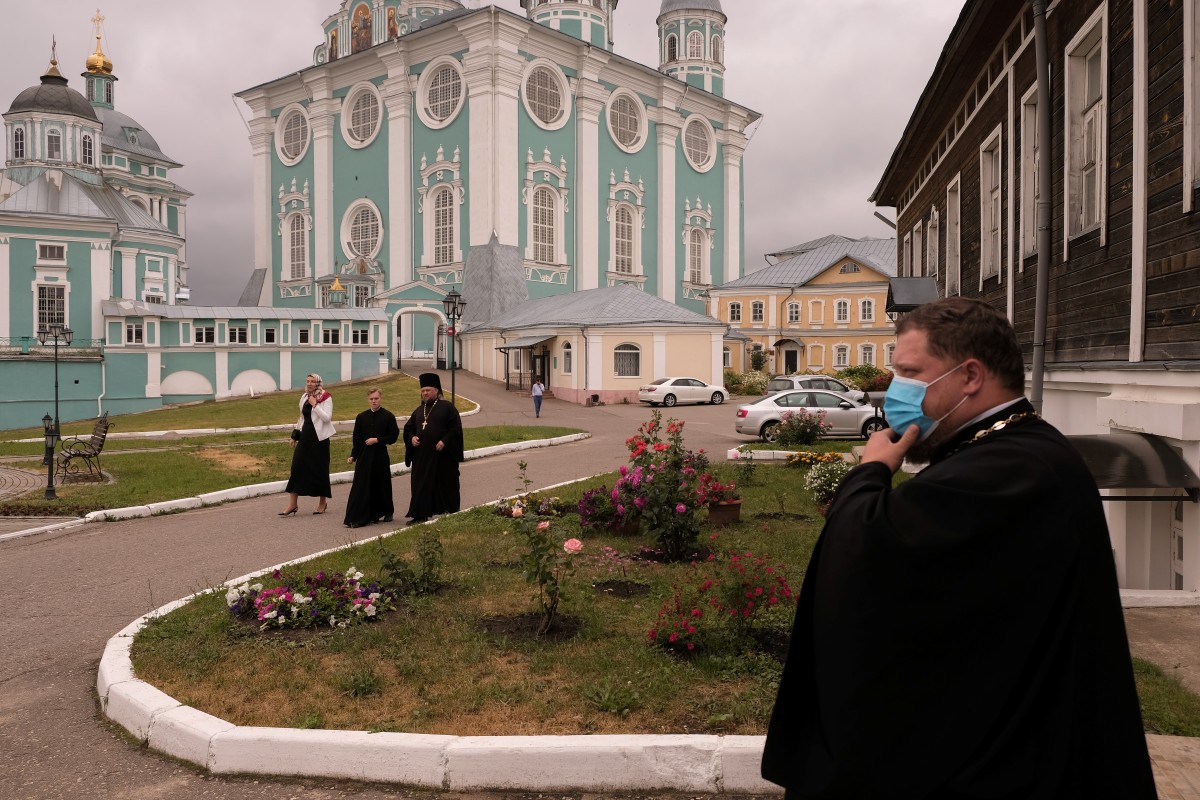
point(15, 481)
point(67, 592)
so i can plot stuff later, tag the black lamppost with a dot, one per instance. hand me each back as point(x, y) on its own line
point(51, 436)
point(59, 333)
point(453, 303)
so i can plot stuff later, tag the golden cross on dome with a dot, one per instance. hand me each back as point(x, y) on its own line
point(96, 20)
point(53, 50)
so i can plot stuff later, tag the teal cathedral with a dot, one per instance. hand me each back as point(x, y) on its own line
point(582, 205)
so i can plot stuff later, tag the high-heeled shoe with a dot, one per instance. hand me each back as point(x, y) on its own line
point(320, 510)
point(289, 512)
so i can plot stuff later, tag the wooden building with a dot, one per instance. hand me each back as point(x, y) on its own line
point(1123, 326)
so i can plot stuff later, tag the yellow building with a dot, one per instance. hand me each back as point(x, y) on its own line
point(820, 308)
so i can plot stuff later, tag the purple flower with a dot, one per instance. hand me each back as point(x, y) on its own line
point(680, 508)
point(615, 495)
point(640, 502)
point(621, 509)
point(624, 470)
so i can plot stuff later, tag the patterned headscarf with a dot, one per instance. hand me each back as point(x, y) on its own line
point(319, 392)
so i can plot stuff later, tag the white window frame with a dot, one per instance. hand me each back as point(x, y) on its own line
point(297, 270)
point(906, 253)
point(841, 311)
point(303, 335)
point(361, 297)
point(204, 334)
point(356, 93)
point(237, 334)
point(639, 113)
point(931, 242)
point(360, 336)
point(630, 351)
point(270, 336)
point(568, 358)
point(43, 315)
point(698, 220)
point(816, 356)
point(866, 310)
point(331, 335)
point(816, 312)
point(347, 227)
point(541, 177)
point(918, 249)
point(135, 333)
point(841, 356)
point(1092, 38)
point(87, 150)
point(629, 196)
point(866, 354)
point(718, 49)
point(425, 85)
point(697, 120)
point(671, 47)
point(545, 237)
point(564, 94)
point(889, 351)
point(1030, 165)
point(758, 312)
point(991, 206)
point(735, 311)
point(448, 175)
point(281, 122)
point(954, 236)
point(54, 152)
point(19, 143)
point(793, 313)
point(726, 358)
point(695, 45)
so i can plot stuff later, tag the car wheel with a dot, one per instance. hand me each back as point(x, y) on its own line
point(873, 425)
point(669, 400)
point(718, 398)
point(770, 432)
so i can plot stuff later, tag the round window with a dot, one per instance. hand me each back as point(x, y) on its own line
point(544, 96)
point(441, 91)
point(293, 135)
point(364, 232)
point(698, 144)
point(364, 117)
point(627, 121)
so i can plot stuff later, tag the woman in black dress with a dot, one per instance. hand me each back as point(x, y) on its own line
point(310, 443)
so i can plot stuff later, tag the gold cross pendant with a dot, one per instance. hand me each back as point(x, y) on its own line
point(424, 425)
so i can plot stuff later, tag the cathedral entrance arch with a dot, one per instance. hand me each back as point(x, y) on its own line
point(418, 333)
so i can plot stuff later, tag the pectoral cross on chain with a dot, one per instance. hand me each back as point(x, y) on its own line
point(424, 425)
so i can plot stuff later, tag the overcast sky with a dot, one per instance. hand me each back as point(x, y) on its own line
point(835, 81)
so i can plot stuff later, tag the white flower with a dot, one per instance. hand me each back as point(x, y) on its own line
point(332, 620)
point(255, 588)
point(304, 599)
point(232, 596)
point(370, 611)
point(373, 596)
point(271, 614)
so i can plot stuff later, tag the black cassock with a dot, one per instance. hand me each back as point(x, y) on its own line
point(434, 472)
point(961, 635)
point(371, 493)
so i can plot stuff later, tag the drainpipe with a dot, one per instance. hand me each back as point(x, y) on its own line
point(1045, 148)
point(784, 308)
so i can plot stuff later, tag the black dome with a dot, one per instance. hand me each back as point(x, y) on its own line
point(53, 96)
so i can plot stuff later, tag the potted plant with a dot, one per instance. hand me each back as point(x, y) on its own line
point(723, 501)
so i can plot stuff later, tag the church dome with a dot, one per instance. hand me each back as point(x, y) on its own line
point(53, 96)
point(690, 5)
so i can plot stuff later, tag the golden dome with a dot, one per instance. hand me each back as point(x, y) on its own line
point(97, 62)
point(337, 286)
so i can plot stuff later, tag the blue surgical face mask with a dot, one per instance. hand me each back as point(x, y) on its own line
point(903, 401)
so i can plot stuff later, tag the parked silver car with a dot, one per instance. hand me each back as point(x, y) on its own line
point(785, 383)
point(763, 417)
point(669, 391)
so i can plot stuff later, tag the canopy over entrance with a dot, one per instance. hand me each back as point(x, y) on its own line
point(1136, 461)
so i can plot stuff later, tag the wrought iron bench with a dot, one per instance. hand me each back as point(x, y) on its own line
point(85, 449)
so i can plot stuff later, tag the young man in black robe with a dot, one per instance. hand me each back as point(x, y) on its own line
point(433, 446)
point(371, 493)
point(961, 635)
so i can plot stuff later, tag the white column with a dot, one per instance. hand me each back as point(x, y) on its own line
point(261, 131)
point(285, 363)
point(221, 385)
point(5, 307)
point(397, 96)
point(588, 219)
point(660, 356)
point(734, 149)
point(128, 273)
point(668, 233)
point(321, 116)
point(481, 101)
point(154, 371)
point(718, 358)
point(594, 359)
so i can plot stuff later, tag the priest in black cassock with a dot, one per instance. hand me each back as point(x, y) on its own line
point(371, 493)
point(433, 447)
point(961, 635)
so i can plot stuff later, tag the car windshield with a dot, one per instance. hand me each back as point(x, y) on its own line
point(779, 385)
point(659, 382)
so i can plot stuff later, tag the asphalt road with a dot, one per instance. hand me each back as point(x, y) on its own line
point(65, 593)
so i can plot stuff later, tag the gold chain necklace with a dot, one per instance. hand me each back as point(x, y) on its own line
point(997, 426)
point(427, 409)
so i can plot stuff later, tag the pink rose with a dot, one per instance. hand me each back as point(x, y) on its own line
point(518, 512)
point(543, 525)
point(573, 545)
point(680, 508)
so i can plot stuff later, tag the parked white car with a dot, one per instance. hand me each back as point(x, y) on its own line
point(785, 383)
point(669, 391)
point(845, 418)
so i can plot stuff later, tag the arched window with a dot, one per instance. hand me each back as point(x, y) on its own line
point(364, 232)
point(627, 361)
point(867, 354)
point(717, 49)
point(696, 257)
point(841, 356)
point(624, 240)
point(841, 311)
point(443, 227)
point(88, 154)
point(544, 217)
point(108, 92)
point(18, 143)
point(866, 310)
point(568, 355)
point(54, 145)
point(695, 42)
point(887, 354)
point(297, 247)
point(793, 311)
point(756, 311)
point(672, 48)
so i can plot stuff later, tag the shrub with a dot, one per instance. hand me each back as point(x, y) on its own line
point(547, 564)
point(823, 480)
point(801, 427)
point(754, 383)
point(744, 466)
point(399, 577)
point(758, 359)
point(338, 599)
point(596, 511)
point(660, 489)
point(807, 458)
point(859, 376)
point(728, 594)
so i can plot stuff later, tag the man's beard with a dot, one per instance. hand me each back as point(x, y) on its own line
point(922, 451)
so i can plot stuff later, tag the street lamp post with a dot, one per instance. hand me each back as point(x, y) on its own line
point(453, 304)
point(51, 436)
point(59, 333)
